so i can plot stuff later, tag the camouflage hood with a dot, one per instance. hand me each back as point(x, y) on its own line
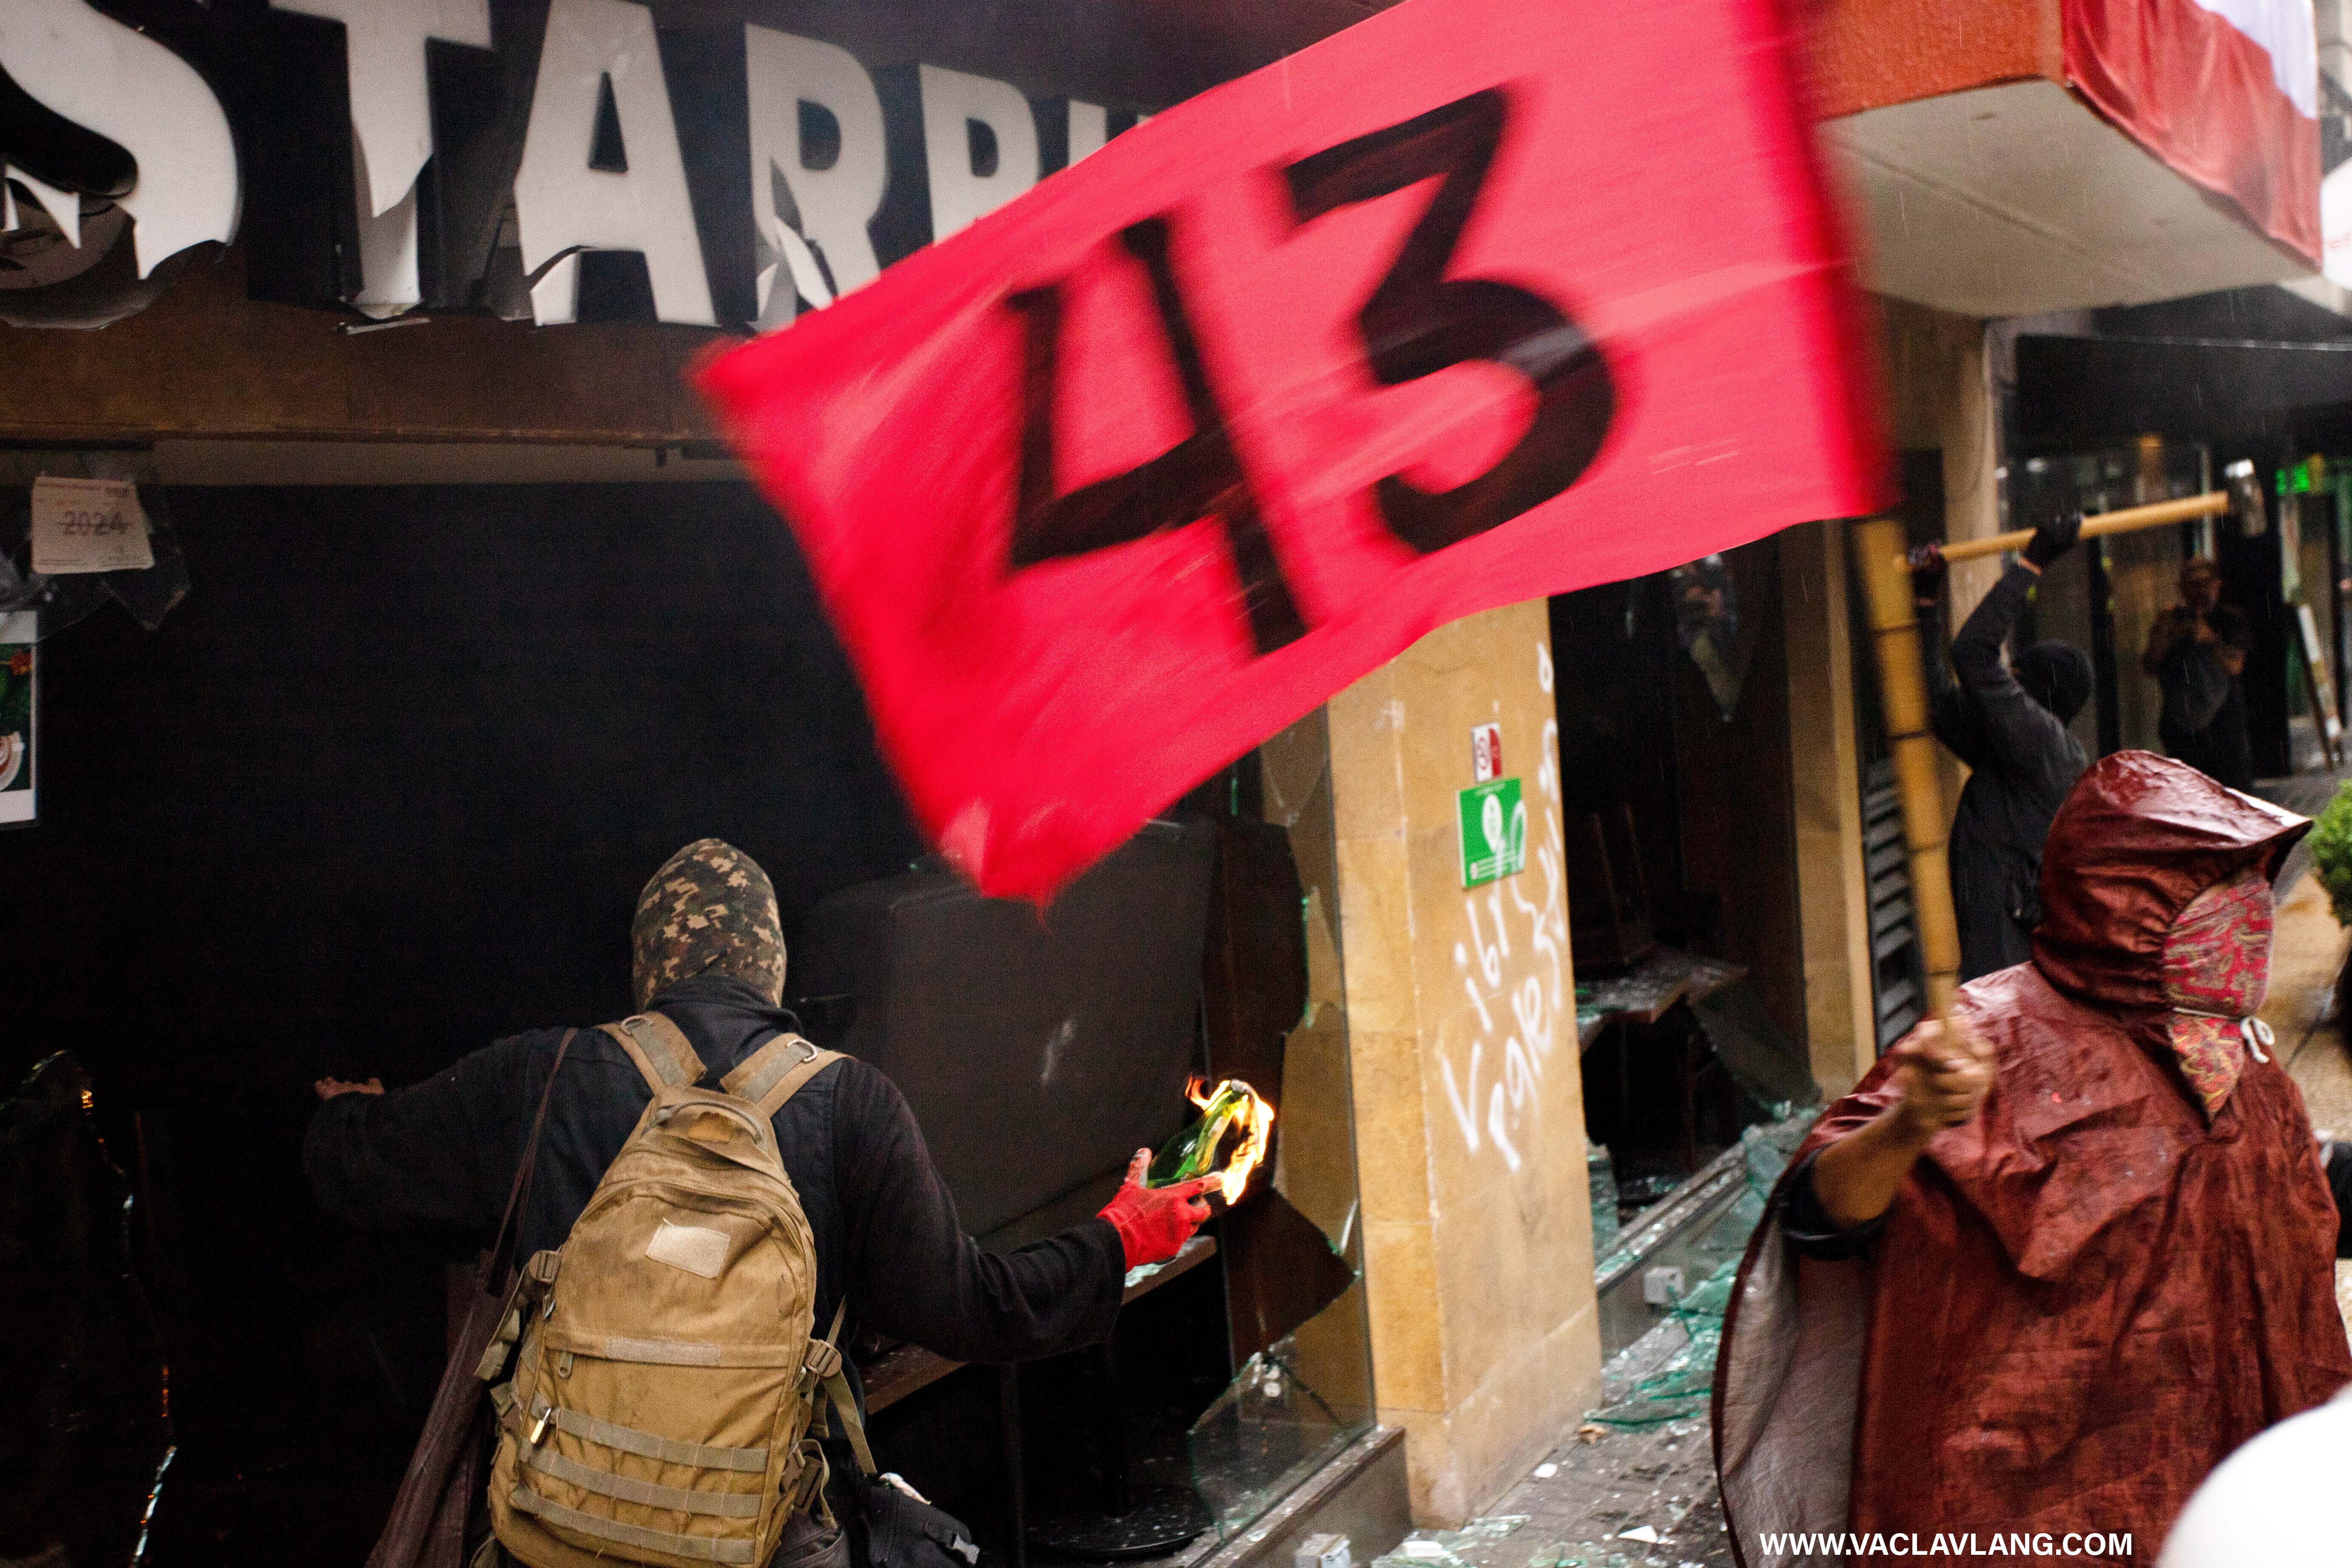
point(710, 908)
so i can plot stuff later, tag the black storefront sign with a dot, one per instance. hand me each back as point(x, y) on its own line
point(684, 161)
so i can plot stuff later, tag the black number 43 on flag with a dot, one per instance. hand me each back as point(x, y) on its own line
point(1417, 321)
point(1470, 304)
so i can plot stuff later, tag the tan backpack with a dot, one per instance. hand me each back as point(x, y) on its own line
point(665, 1371)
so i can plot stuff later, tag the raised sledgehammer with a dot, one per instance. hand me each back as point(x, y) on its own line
point(1885, 567)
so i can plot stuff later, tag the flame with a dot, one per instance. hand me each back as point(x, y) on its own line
point(1254, 1116)
point(1235, 1176)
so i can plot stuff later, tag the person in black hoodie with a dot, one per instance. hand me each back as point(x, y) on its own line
point(2009, 725)
point(707, 952)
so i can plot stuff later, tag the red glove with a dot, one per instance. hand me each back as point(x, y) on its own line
point(1153, 1223)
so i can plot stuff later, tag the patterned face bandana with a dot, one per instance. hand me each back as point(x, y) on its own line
point(2216, 968)
point(708, 908)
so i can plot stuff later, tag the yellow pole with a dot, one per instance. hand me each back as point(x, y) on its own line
point(2129, 519)
point(1903, 696)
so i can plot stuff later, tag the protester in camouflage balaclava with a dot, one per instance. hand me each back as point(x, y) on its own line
point(708, 908)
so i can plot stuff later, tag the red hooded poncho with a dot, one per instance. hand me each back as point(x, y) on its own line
point(2086, 1296)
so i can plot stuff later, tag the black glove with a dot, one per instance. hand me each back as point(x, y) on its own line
point(1928, 570)
point(2053, 539)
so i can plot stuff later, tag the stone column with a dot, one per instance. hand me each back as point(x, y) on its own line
point(1832, 893)
point(1477, 1228)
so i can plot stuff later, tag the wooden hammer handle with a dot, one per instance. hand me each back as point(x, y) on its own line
point(2211, 504)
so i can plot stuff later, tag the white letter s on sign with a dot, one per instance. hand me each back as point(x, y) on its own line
point(131, 91)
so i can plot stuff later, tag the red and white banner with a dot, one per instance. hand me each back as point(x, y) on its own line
point(2225, 92)
point(1474, 302)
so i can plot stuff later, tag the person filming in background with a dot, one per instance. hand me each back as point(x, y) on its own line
point(2009, 726)
point(2197, 651)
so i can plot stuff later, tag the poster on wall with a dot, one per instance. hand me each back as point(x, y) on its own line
point(17, 658)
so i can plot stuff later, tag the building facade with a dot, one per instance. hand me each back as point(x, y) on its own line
point(396, 288)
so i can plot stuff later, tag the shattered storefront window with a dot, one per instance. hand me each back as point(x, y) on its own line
point(1633, 1485)
point(1302, 1390)
point(1681, 1384)
point(1267, 1432)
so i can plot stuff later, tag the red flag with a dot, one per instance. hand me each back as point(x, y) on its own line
point(1473, 303)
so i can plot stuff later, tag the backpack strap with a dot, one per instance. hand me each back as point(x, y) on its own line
point(490, 1277)
point(823, 1369)
point(660, 1051)
point(775, 1072)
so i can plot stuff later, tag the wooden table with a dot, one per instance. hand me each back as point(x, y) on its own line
point(1641, 998)
point(1650, 990)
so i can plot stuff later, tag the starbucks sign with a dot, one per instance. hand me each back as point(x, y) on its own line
point(557, 161)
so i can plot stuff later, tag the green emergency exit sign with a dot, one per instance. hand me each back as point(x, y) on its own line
point(1494, 832)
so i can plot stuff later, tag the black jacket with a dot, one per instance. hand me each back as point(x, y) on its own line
point(2223, 749)
point(885, 1226)
point(2021, 762)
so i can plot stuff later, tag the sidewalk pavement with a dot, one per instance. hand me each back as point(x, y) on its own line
point(1614, 1497)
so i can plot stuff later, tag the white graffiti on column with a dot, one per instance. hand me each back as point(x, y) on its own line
point(1512, 1109)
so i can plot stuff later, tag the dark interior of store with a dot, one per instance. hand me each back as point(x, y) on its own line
point(384, 788)
point(1681, 846)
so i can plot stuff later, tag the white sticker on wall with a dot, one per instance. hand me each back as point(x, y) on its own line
point(1485, 752)
point(89, 526)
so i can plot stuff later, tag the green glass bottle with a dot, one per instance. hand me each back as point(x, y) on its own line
point(1193, 1151)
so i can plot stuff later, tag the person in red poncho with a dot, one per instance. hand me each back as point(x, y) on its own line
point(2048, 1265)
